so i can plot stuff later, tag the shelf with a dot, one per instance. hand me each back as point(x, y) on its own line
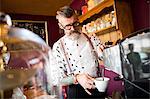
point(122, 13)
point(105, 30)
point(96, 9)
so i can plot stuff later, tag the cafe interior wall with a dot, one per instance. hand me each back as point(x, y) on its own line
point(52, 27)
point(141, 14)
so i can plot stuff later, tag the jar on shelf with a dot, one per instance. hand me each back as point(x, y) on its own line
point(91, 4)
point(89, 29)
point(84, 9)
point(113, 22)
point(97, 23)
point(108, 20)
point(92, 27)
point(103, 25)
point(98, 1)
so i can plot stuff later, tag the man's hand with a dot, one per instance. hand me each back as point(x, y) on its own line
point(85, 81)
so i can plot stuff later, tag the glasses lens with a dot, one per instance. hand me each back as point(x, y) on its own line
point(76, 24)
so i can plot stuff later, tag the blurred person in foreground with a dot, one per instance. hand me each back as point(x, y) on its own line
point(26, 54)
point(75, 56)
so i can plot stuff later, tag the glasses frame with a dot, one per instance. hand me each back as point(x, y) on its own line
point(74, 24)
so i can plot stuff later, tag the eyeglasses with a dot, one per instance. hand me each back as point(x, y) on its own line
point(69, 26)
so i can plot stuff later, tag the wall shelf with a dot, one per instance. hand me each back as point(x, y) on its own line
point(105, 30)
point(122, 12)
point(96, 9)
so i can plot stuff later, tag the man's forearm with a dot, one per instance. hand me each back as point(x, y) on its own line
point(72, 79)
point(67, 80)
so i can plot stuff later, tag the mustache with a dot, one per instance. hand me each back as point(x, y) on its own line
point(75, 31)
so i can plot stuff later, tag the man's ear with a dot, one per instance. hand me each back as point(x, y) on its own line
point(60, 26)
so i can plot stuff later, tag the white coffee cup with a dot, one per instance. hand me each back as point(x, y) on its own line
point(101, 83)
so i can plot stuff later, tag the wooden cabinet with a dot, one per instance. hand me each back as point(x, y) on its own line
point(122, 27)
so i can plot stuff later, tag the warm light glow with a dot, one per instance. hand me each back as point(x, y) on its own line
point(3, 29)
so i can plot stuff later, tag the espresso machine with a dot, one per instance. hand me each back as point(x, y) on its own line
point(135, 62)
point(130, 59)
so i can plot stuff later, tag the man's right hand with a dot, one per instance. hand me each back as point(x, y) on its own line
point(85, 81)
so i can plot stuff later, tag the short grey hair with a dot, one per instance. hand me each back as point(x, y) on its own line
point(66, 11)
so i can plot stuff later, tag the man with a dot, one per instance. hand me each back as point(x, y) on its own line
point(77, 62)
